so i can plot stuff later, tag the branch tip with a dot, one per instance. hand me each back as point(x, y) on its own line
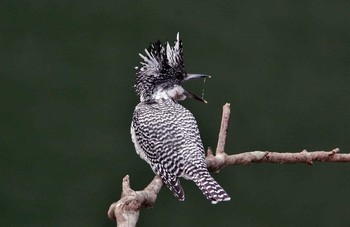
point(126, 184)
point(220, 148)
point(209, 152)
point(335, 151)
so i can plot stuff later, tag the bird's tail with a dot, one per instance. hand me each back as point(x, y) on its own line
point(173, 183)
point(211, 189)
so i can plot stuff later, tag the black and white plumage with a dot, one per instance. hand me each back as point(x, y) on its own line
point(165, 134)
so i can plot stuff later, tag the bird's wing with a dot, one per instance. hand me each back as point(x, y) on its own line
point(162, 137)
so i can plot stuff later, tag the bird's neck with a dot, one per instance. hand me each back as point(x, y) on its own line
point(175, 93)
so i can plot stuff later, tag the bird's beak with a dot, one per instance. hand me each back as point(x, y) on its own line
point(195, 76)
point(193, 96)
point(192, 77)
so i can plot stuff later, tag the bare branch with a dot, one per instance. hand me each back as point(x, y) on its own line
point(226, 111)
point(126, 211)
point(215, 163)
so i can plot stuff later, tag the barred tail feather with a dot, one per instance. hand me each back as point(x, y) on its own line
point(175, 187)
point(211, 189)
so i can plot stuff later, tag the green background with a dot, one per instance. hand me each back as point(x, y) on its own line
point(66, 95)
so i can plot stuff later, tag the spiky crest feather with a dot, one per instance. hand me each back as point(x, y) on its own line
point(162, 65)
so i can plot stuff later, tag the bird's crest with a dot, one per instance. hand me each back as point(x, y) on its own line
point(162, 65)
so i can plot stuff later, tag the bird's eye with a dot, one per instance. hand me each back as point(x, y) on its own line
point(180, 76)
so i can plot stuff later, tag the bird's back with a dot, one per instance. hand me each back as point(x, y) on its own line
point(168, 135)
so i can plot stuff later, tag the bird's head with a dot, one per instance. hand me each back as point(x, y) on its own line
point(162, 72)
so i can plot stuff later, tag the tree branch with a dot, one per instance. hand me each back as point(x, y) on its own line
point(215, 164)
point(126, 211)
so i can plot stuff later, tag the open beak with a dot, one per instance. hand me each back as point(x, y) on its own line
point(192, 77)
point(193, 96)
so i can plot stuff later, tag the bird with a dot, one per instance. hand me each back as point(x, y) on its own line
point(165, 134)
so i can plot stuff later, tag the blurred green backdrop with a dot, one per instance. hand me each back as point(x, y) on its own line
point(67, 70)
